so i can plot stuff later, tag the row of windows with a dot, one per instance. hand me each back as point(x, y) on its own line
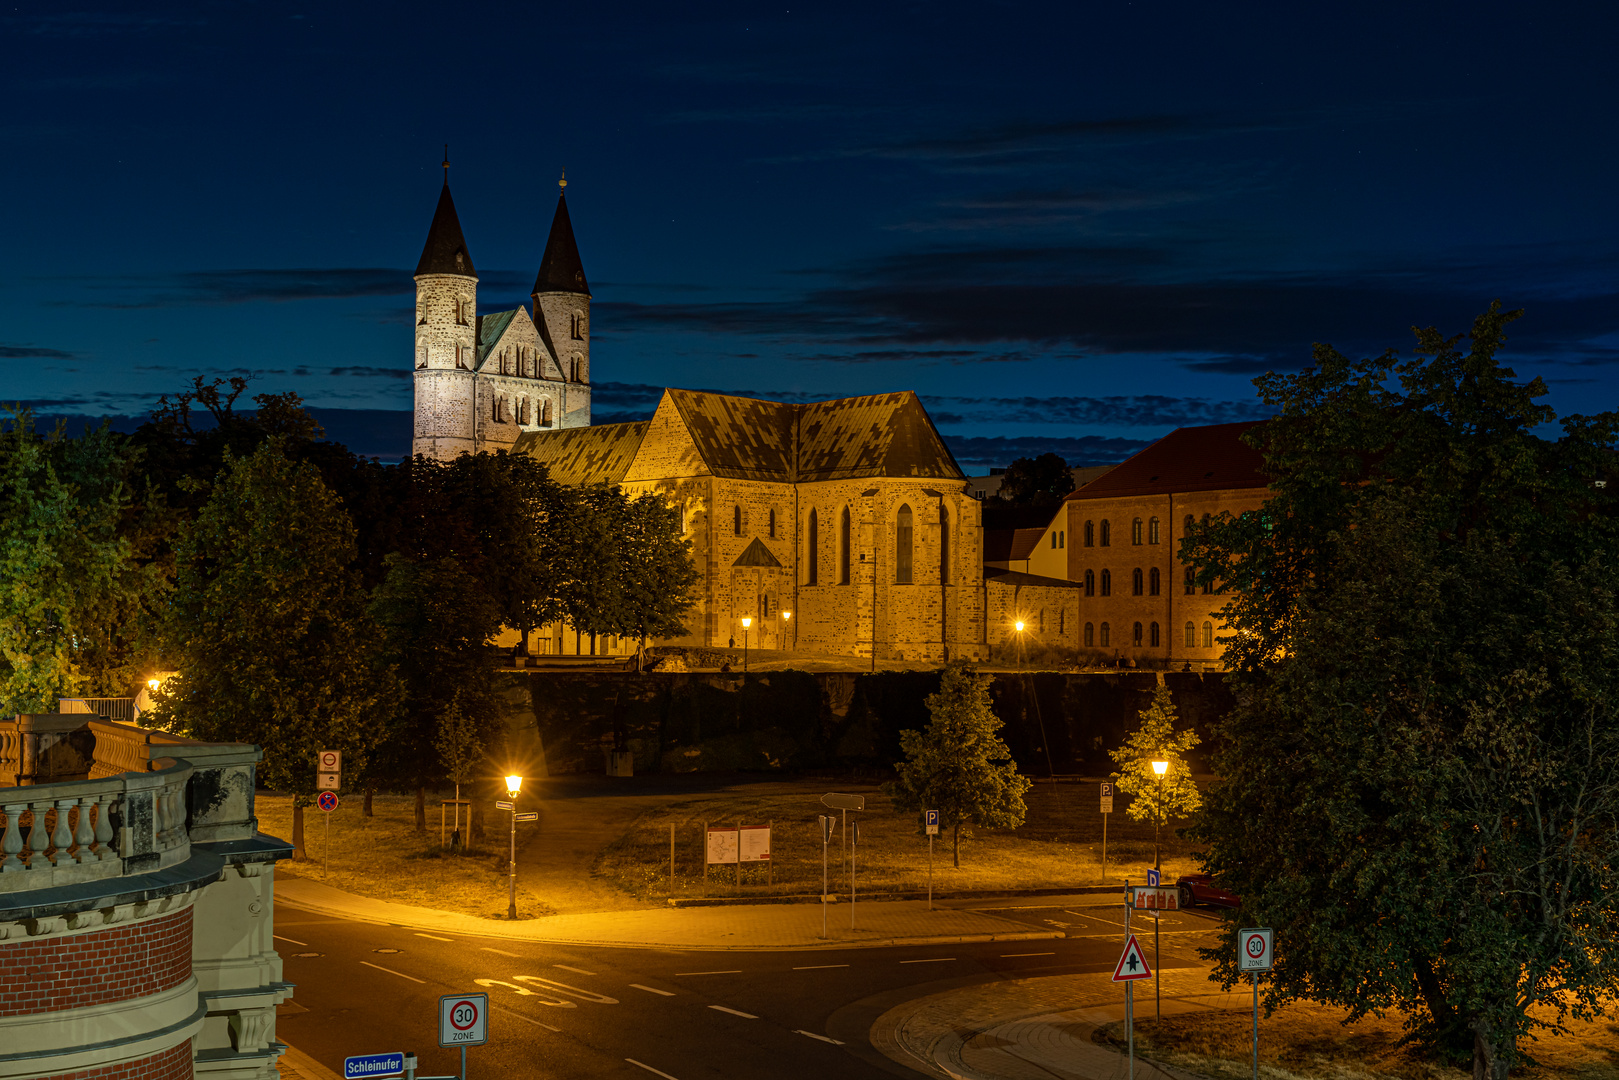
point(1150, 584)
point(1153, 635)
point(1150, 529)
point(904, 543)
point(523, 411)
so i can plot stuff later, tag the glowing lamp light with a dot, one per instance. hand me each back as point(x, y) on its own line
point(787, 615)
point(1018, 626)
point(1160, 767)
point(153, 684)
point(514, 784)
point(747, 621)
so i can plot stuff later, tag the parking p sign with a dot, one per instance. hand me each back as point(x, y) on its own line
point(933, 822)
point(1254, 949)
point(463, 1019)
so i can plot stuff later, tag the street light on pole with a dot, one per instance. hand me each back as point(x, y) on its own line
point(514, 784)
point(747, 621)
point(787, 624)
point(1159, 767)
point(1018, 626)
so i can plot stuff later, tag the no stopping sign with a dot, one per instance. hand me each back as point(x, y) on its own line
point(1254, 949)
point(463, 1019)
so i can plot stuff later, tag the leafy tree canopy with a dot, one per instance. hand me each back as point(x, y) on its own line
point(1419, 790)
point(1041, 481)
point(958, 765)
point(1157, 740)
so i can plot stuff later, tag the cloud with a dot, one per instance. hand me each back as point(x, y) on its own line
point(978, 451)
point(374, 372)
point(33, 352)
point(1145, 410)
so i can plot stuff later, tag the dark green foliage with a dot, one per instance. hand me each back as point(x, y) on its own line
point(1041, 481)
point(267, 626)
point(958, 765)
point(1419, 789)
point(74, 592)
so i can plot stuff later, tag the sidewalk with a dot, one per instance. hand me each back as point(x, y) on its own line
point(753, 926)
point(1036, 1029)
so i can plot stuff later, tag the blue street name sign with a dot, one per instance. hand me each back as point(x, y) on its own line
point(375, 1065)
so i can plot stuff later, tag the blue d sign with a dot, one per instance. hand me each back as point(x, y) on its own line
point(1152, 879)
point(375, 1065)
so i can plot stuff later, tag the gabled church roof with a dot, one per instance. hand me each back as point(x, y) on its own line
point(756, 554)
point(446, 249)
point(490, 327)
point(584, 455)
point(560, 268)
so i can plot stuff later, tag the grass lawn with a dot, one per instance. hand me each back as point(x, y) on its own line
point(1310, 1042)
point(384, 858)
point(1059, 845)
point(603, 844)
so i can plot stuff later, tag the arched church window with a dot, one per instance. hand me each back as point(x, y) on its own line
point(843, 548)
point(902, 546)
point(813, 553)
point(545, 414)
point(944, 546)
point(1107, 533)
point(772, 523)
point(578, 326)
point(736, 520)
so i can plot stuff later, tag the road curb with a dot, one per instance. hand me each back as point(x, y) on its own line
point(967, 894)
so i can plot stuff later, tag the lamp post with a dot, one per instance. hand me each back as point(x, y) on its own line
point(747, 621)
point(787, 624)
point(1159, 767)
point(1018, 626)
point(514, 784)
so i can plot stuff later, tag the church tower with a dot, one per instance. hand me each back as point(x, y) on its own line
point(562, 312)
point(446, 338)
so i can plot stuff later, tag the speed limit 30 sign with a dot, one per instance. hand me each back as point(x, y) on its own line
point(1254, 949)
point(463, 1019)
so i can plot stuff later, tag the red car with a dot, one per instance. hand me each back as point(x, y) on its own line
point(1201, 889)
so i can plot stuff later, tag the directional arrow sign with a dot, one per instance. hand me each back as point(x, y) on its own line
point(844, 802)
point(1132, 965)
point(528, 817)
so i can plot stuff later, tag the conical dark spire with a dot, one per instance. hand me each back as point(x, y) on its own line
point(560, 269)
point(446, 249)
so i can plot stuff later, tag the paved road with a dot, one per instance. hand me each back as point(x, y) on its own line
point(575, 1013)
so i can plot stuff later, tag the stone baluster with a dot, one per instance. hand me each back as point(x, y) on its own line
point(104, 847)
point(83, 835)
point(38, 838)
point(11, 843)
point(62, 837)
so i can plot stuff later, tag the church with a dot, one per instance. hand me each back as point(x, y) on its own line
point(840, 527)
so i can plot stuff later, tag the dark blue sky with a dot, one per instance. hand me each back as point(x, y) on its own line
point(1068, 226)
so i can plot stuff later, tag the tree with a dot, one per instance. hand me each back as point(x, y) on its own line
point(1424, 643)
point(460, 748)
point(1041, 481)
point(959, 766)
point(267, 626)
point(656, 575)
point(435, 621)
point(1157, 740)
point(74, 594)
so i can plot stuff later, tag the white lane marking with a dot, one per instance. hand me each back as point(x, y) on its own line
point(650, 1069)
point(289, 941)
point(823, 1038)
point(652, 990)
point(678, 974)
point(435, 937)
point(819, 967)
point(487, 983)
point(571, 991)
point(520, 1016)
point(1010, 955)
point(579, 971)
point(930, 960)
point(391, 971)
point(1098, 918)
point(733, 1012)
point(502, 952)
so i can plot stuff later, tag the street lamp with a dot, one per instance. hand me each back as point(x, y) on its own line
point(747, 621)
point(1159, 767)
point(787, 621)
point(514, 784)
point(1018, 626)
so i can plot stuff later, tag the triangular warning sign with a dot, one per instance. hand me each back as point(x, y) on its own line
point(1133, 964)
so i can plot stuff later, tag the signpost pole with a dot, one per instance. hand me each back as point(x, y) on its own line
point(825, 843)
point(1104, 846)
point(671, 858)
point(739, 856)
point(705, 856)
point(511, 872)
point(464, 1064)
point(852, 848)
point(930, 871)
point(1129, 1024)
point(1256, 1025)
point(326, 848)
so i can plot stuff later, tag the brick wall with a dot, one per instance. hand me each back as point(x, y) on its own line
point(96, 968)
point(171, 1064)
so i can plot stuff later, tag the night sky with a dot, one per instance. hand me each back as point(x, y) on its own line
point(1069, 227)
